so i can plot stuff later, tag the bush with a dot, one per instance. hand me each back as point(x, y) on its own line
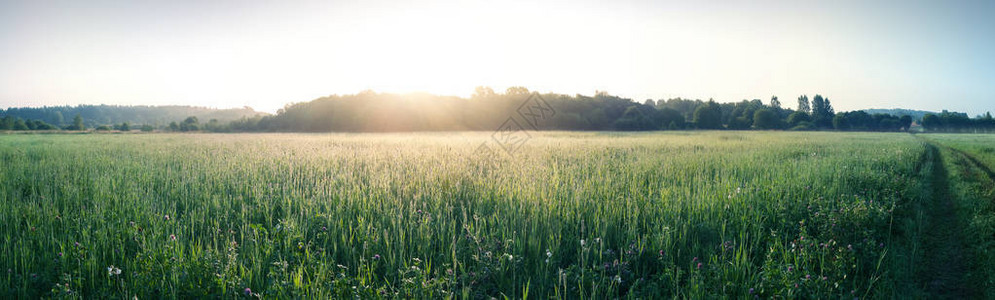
point(804, 126)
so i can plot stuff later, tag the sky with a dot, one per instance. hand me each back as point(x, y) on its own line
point(929, 55)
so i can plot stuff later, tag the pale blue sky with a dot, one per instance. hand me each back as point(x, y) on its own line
point(861, 54)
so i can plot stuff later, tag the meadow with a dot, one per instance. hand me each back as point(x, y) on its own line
point(569, 215)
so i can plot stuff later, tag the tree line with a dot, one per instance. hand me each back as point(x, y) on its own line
point(95, 116)
point(487, 110)
point(958, 122)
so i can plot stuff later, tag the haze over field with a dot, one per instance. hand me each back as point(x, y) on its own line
point(263, 54)
point(631, 149)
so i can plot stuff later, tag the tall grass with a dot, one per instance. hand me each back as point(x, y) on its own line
point(571, 215)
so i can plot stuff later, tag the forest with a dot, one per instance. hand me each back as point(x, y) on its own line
point(93, 116)
point(486, 109)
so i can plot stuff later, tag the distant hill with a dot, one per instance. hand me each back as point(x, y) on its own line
point(915, 114)
point(94, 115)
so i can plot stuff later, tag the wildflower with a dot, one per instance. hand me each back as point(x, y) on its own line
point(323, 228)
point(694, 259)
point(582, 242)
point(112, 270)
point(790, 269)
point(60, 254)
point(807, 277)
point(699, 266)
point(618, 279)
point(661, 252)
point(172, 237)
point(751, 291)
point(247, 291)
point(376, 256)
point(166, 217)
point(76, 244)
point(549, 253)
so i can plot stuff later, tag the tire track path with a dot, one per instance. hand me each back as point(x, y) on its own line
point(946, 258)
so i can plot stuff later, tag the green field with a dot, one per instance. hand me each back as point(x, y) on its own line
point(569, 215)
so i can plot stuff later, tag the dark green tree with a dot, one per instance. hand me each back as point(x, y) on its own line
point(634, 119)
point(77, 123)
point(840, 122)
point(822, 112)
point(7, 122)
point(905, 122)
point(20, 125)
point(190, 124)
point(803, 104)
point(797, 118)
point(765, 119)
point(708, 116)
